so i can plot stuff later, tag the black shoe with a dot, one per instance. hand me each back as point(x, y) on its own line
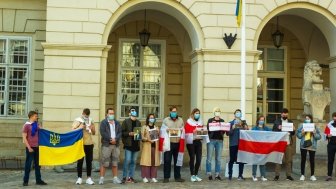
point(218, 178)
point(210, 177)
point(25, 184)
point(165, 180)
point(276, 178)
point(230, 178)
point(41, 182)
point(289, 178)
point(131, 179)
point(241, 178)
point(328, 178)
point(179, 180)
point(123, 180)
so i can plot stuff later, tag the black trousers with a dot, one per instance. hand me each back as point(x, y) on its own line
point(311, 160)
point(331, 157)
point(88, 150)
point(167, 156)
point(233, 158)
point(195, 150)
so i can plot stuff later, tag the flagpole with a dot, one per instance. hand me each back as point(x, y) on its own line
point(243, 61)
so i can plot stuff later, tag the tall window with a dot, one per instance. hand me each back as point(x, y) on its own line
point(14, 67)
point(271, 86)
point(141, 78)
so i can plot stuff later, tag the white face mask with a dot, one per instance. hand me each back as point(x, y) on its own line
point(217, 114)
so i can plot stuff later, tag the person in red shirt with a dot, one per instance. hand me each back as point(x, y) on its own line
point(30, 133)
point(330, 132)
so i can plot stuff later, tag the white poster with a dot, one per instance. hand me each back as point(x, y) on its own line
point(287, 127)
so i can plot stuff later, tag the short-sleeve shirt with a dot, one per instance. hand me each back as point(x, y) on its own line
point(32, 140)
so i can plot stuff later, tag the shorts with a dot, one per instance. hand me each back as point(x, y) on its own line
point(110, 154)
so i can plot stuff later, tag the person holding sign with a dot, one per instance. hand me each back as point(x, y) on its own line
point(330, 133)
point(309, 137)
point(215, 144)
point(277, 127)
point(260, 126)
point(150, 156)
point(194, 143)
point(236, 125)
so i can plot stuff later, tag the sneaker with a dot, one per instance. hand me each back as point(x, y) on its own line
point(254, 178)
point(289, 178)
point(131, 180)
point(313, 178)
point(116, 180)
point(165, 180)
point(198, 179)
point(154, 180)
point(193, 178)
point(89, 181)
point(302, 178)
point(241, 178)
point(276, 178)
point(218, 178)
point(145, 180)
point(25, 184)
point(263, 179)
point(328, 178)
point(79, 181)
point(210, 177)
point(179, 180)
point(41, 182)
point(124, 180)
point(101, 180)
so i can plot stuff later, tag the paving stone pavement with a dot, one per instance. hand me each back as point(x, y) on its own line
point(13, 179)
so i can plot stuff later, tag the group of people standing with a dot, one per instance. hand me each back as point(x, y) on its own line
point(166, 149)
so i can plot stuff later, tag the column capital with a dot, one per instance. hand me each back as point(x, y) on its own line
point(332, 62)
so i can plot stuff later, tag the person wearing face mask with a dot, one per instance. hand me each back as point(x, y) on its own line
point(215, 144)
point(236, 125)
point(260, 126)
point(86, 123)
point(150, 156)
point(194, 143)
point(131, 146)
point(289, 149)
point(308, 143)
point(176, 147)
point(110, 131)
point(330, 133)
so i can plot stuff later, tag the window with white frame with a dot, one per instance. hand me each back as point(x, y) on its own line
point(141, 78)
point(14, 69)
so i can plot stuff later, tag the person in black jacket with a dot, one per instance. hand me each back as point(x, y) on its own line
point(330, 133)
point(288, 153)
point(110, 131)
point(131, 146)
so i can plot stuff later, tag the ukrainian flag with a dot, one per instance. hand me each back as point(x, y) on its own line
point(60, 149)
point(239, 12)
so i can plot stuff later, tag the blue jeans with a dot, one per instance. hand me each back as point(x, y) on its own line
point(216, 145)
point(129, 163)
point(30, 156)
point(262, 169)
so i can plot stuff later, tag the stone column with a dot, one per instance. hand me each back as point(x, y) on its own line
point(332, 67)
point(186, 83)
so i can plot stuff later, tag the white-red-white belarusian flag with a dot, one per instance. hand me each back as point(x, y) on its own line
point(260, 147)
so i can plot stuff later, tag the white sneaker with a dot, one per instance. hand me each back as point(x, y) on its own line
point(302, 178)
point(198, 179)
point(254, 178)
point(193, 178)
point(313, 178)
point(79, 180)
point(145, 180)
point(101, 180)
point(116, 180)
point(89, 181)
point(154, 180)
point(263, 179)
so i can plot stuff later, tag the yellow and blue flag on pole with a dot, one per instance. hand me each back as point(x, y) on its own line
point(60, 149)
point(239, 12)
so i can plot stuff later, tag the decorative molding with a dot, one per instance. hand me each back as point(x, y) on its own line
point(66, 46)
point(197, 52)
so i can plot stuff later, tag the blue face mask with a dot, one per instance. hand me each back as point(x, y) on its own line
point(261, 122)
point(307, 121)
point(110, 117)
point(134, 113)
point(238, 114)
point(173, 115)
point(151, 120)
point(197, 116)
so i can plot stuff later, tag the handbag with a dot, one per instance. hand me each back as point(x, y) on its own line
point(307, 143)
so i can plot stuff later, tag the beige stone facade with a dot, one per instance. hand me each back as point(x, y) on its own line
point(75, 54)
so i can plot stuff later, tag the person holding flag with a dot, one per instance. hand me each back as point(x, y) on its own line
point(30, 136)
point(85, 123)
point(330, 133)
